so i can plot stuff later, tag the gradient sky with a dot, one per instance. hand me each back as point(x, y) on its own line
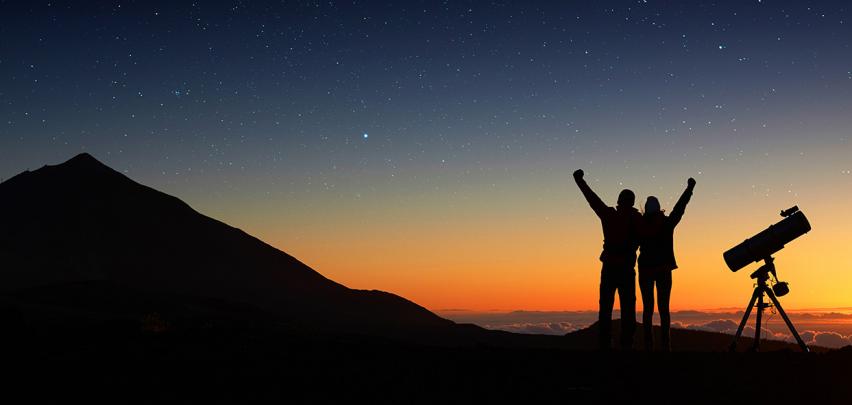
point(426, 148)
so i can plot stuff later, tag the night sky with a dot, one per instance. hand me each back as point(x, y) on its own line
point(426, 148)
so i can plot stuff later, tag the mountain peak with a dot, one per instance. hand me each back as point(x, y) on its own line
point(84, 157)
point(84, 161)
point(82, 172)
point(84, 168)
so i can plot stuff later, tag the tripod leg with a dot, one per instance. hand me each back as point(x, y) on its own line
point(787, 321)
point(743, 322)
point(757, 324)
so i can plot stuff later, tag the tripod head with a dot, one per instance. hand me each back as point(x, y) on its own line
point(762, 274)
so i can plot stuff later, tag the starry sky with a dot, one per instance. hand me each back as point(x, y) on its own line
point(426, 148)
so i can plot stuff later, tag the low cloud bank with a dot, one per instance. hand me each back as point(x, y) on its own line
point(826, 339)
point(811, 337)
point(544, 328)
point(829, 329)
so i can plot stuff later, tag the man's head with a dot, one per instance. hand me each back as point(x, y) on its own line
point(652, 205)
point(626, 198)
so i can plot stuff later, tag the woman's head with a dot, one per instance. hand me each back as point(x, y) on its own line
point(652, 206)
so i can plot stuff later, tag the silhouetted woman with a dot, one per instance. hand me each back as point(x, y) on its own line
point(656, 262)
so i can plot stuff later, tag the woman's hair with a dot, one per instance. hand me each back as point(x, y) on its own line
point(652, 207)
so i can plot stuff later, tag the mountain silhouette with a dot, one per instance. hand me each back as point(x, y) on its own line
point(81, 242)
point(82, 234)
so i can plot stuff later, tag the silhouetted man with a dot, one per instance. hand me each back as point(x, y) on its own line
point(620, 226)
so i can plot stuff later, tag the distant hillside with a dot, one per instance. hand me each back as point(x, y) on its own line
point(80, 233)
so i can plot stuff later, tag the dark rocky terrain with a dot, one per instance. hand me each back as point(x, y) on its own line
point(152, 361)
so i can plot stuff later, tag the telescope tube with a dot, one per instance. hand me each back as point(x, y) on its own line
point(767, 242)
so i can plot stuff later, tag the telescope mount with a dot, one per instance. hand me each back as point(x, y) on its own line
point(762, 288)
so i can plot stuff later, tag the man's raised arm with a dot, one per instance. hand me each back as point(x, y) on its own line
point(597, 205)
point(680, 206)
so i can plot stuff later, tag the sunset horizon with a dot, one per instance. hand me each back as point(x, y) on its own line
point(589, 306)
point(561, 302)
point(347, 201)
point(436, 163)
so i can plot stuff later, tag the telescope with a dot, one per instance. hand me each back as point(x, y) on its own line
point(761, 247)
point(772, 239)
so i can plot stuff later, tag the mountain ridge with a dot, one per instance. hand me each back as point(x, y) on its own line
point(83, 221)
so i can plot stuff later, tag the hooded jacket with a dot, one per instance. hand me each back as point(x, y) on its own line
point(656, 239)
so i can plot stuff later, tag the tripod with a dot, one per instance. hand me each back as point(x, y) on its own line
point(762, 288)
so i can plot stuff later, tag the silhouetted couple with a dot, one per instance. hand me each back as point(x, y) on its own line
point(626, 230)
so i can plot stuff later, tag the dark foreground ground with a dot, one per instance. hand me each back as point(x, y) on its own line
point(247, 365)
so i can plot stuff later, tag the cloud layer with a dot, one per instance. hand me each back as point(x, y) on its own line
point(828, 329)
point(542, 328)
point(811, 337)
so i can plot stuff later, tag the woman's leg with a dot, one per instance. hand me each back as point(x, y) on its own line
point(664, 293)
point(646, 286)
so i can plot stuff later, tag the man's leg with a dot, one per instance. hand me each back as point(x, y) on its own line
point(664, 293)
point(607, 299)
point(627, 298)
point(646, 286)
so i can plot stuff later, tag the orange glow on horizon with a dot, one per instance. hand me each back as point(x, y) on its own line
point(532, 243)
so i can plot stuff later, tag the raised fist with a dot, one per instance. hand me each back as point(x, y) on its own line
point(691, 182)
point(578, 174)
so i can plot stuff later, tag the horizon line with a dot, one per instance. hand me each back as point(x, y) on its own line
point(717, 309)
